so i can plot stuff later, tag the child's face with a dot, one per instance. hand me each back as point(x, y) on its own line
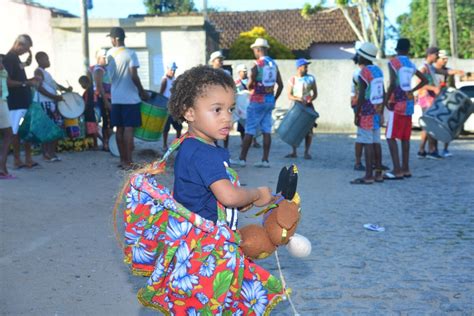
point(84, 84)
point(211, 115)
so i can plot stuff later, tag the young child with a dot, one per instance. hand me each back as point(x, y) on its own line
point(199, 267)
point(48, 97)
point(92, 129)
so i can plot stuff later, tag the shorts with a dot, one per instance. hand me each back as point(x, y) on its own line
point(176, 125)
point(126, 115)
point(51, 109)
point(368, 136)
point(91, 128)
point(4, 115)
point(398, 126)
point(259, 115)
point(16, 116)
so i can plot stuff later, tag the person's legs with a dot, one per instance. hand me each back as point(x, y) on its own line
point(28, 155)
point(358, 154)
point(293, 153)
point(424, 139)
point(378, 161)
point(120, 138)
point(245, 146)
point(267, 142)
point(393, 147)
point(369, 155)
point(307, 144)
point(166, 131)
point(405, 157)
point(128, 145)
point(6, 141)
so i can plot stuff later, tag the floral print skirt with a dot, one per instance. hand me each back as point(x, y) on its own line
point(195, 266)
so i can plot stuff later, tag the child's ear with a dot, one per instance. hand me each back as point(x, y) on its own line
point(189, 115)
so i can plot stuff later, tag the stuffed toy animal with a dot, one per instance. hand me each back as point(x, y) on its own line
point(280, 221)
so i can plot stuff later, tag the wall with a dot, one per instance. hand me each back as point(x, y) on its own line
point(333, 79)
point(16, 19)
point(331, 51)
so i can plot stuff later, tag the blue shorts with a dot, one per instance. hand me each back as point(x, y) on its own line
point(126, 115)
point(259, 115)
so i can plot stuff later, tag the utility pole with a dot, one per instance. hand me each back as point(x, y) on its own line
point(85, 36)
point(432, 22)
point(453, 31)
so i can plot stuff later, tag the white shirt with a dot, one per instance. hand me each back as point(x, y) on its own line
point(48, 84)
point(120, 60)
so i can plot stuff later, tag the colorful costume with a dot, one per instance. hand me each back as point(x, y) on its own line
point(195, 265)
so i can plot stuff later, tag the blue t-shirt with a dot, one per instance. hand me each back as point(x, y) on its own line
point(197, 166)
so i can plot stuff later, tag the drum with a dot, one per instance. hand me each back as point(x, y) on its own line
point(75, 128)
point(72, 106)
point(113, 146)
point(154, 115)
point(297, 123)
point(242, 100)
point(445, 118)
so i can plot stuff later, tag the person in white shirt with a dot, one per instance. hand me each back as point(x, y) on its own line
point(48, 97)
point(165, 90)
point(127, 92)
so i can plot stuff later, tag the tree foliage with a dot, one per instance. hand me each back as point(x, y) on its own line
point(414, 25)
point(240, 49)
point(164, 6)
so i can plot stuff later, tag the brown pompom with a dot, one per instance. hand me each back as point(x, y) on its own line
point(282, 222)
point(255, 242)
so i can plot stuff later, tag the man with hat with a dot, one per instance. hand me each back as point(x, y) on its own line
point(302, 89)
point(400, 103)
point(216, 60)
point(264, 75)
point(127, 92)
point(368, 111)
point(165, 89)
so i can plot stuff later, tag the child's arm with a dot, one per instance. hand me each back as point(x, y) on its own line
point(42, 90)
point(232, 196)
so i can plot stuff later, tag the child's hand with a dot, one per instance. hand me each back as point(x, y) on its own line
point(265, 196)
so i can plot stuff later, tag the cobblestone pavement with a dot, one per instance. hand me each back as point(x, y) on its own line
point(59, 256)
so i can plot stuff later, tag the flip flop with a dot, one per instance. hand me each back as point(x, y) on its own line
point(391, 176)
point(7, 177)
point(407, 175)
point(361, 181)
point(34, 164)
point(291, 156)
point(379, 180)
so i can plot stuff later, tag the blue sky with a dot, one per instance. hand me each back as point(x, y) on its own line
point(122, 8)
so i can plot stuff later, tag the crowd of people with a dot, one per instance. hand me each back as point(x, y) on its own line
point(113, 93)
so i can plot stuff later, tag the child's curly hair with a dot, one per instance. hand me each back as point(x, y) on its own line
point(191, 84)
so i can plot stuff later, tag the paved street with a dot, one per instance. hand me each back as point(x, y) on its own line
point(59, 255)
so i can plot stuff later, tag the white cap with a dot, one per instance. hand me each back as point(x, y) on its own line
point(216, 54)
point(260, 42)
point(443, 54)
point(241, 67)
point(368, 51)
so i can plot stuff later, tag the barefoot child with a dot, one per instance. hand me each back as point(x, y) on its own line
point(199, 267)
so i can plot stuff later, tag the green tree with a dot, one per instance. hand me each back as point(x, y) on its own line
point(164, 6)
point(414, 25)
point(240, 49)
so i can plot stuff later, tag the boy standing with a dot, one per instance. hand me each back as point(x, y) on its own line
point(48, 97)
point(302, 88)
point(400, 103)
point(368, 112)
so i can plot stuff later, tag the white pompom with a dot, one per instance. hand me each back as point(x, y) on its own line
point(299, 246)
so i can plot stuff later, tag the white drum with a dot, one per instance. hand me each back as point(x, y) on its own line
point(72, 106)
point(113, 146)
point(242, 100)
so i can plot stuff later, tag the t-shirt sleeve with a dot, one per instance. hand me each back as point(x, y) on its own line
point(209, 166)
point(134, 60)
